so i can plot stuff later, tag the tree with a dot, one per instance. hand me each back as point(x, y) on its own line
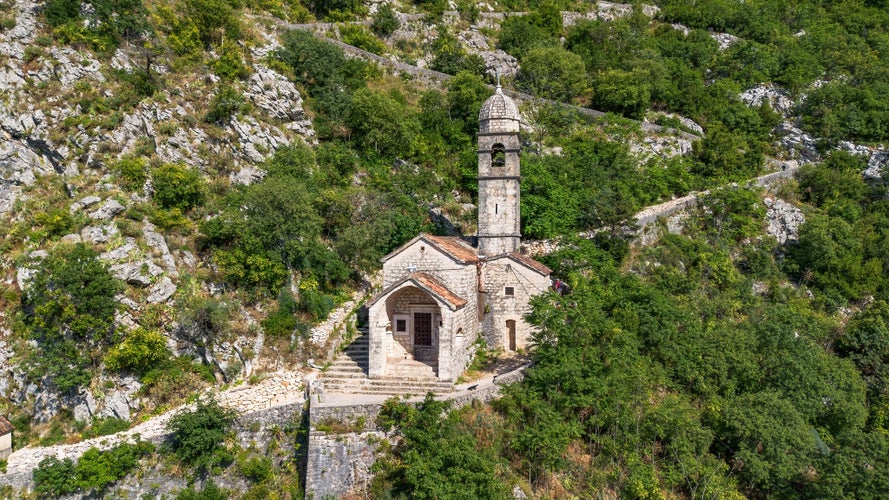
point(385, 22)
point(196, 437)
point(215, 20)
point(382, 124)
point(69, 311)
point(177, 186)
point(553, 73)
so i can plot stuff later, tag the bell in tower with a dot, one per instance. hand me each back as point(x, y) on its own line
point(498, 175)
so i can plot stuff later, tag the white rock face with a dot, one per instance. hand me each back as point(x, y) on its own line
point(161, 291)
point(99, 234)
point(138, 273)
point(158, 244)
point(724, 40)
point(664, 147)
point(777, 98)
point(797, 142)
point(108, 210)
point(783, 219)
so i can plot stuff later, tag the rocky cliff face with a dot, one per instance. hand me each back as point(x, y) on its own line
point(57, 129)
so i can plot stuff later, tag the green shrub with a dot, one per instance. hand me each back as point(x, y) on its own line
point(94, 472)
point(385, 22)
point(132, 173)
point(177, 186)
point(227, 103)
point(256, 469)
point(54, 477)
point(196, 437)
point(230, 63)
point(361, 37)
point(209, 492)
point(107, 427)
point(55, 222)
point(140, 351)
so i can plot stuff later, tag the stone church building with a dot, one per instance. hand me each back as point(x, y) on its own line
point(440, 294)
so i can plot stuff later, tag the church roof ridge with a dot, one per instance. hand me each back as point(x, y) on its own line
point(428, 283)
point(5, 426)
point(451, 246)
point(526, 261)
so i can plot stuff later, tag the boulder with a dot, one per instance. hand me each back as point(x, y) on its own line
point(137, 273)
point(99, 234)
point(156, 241)
point(784, 220)
point(108, 210)
point(161, 291)
point(120, 253)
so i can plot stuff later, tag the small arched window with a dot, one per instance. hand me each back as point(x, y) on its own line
point(498, 155)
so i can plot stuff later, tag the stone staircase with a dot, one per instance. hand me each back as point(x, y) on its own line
point(347, 374)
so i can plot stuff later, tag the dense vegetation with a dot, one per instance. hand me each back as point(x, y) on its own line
point(696, 367)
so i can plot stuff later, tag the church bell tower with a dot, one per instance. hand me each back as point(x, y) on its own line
point(498, 175)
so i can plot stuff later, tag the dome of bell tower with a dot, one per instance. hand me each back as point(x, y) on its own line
point(499, 114)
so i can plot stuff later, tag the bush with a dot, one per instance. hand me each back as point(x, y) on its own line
point(360, 37)
point(177, 186)
point(139, 352)
point(132, 173)
point(54, 477)
point(230, 65)
point(107, 427)
point(196, 437)
point(95, 470)
point(227, 103)
point(209, 492)
point(385, 22)
point(256, 469)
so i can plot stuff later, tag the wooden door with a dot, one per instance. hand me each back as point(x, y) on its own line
point(510, 328)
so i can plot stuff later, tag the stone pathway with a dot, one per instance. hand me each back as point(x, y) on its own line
point(277, 389)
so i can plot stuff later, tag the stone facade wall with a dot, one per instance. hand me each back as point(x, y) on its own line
point(5, 445)
point(458, 347)
point(340, 463)
point(502, 273)
point(453, 349)
point(423, 257)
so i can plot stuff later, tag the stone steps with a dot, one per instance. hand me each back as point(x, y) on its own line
point(347, 373)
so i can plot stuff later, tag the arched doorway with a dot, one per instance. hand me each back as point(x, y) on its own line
point(415, 319)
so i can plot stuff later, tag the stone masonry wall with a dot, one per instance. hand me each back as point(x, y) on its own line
point(526, 284)
point(339, 464)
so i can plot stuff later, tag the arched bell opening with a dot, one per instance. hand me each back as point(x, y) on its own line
point(498, 155)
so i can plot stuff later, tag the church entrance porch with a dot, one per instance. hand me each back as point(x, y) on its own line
point(415, 319)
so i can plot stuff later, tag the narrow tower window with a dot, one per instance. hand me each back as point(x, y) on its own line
point(496, 208)
point(498, 155)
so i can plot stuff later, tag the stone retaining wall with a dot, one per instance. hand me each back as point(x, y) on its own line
point(340, 463)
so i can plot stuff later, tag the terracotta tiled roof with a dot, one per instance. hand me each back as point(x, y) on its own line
point(438, 288)
point(5, 426)
point(455, 247)
point(427, 283)
point(533, 264)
